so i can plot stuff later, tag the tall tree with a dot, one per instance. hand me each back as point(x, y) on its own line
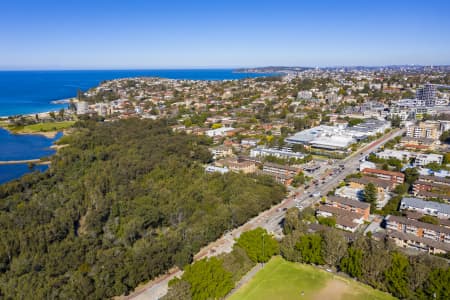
point(370, 195)
point(208, 279)
point(258, 244)
point(310, 247)
point(352, 262)
point(411, 175)
point(334, 246)
point(396, 276)
point(437, 285)
point(291, 220)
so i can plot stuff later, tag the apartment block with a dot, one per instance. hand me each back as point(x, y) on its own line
point(419, 235)
point(394, 177)
point(424, 130)
point(350, 205)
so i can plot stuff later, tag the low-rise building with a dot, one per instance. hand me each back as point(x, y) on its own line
point(432, 237)
point(411, 241)
point(285, 153)
point(281, 173)
point(220, 132)
point(431, 208)
point(428, 130)
point(439, 187)
point(350, 205)
point(221, 151)
point(237, 165)
point(214, 169)
point(367, 165)
point(394, 177)
point(418, 144)
point(432, 196)
point(425, 159)
point(345, 219)
point(249, 142)
point(435, 179)
point(280, 169)
point(420, 159)
point(383, 186)
point(397, 154)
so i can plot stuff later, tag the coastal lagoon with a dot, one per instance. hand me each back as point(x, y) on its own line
point(22, 147)
point(11, 172)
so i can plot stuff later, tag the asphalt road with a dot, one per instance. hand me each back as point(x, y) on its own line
point(270, 219)
point(273, 221)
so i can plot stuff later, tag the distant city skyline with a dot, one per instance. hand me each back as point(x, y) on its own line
point(177, 34)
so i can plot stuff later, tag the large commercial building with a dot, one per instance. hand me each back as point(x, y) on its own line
point(339, 137)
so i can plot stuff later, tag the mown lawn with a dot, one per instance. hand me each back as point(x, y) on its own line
point(43, 127)
point(280, 279)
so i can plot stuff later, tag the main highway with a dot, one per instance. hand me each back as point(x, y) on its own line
point(272, 218)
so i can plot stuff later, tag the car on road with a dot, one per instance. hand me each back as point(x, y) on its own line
point(316, 194)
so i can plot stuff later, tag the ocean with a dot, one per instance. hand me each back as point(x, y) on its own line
point(28, 92)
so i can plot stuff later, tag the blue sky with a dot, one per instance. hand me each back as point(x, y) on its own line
point(104, 34)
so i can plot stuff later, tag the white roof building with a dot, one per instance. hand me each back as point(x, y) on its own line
point(214, 169)
point(285, 153)
point(219, 131)
point(431, 208)
point(338, 137)
point(421, 159)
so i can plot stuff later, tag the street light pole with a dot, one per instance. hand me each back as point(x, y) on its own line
point(263, 248)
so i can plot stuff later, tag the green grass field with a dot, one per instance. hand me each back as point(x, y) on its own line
point(280, 279)
point(41, 127)
point(44, 127)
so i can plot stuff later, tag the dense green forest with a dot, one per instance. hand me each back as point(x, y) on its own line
point(124, 202)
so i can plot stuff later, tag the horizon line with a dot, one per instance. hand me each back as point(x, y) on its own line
point(213, 67)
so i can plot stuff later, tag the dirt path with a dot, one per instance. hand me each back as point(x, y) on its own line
point(245, 279)
point(335, 289)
